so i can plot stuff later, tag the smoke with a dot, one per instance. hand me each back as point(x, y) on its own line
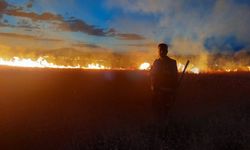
point(200, 19)
point(187, 26)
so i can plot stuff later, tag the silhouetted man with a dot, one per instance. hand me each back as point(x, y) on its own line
point(164, 76)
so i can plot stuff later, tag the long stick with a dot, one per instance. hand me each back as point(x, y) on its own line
point(183, 73)
point(179, 83)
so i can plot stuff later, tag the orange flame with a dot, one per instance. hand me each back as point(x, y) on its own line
point(145, 66)
point(43, 63)
point(95, 66)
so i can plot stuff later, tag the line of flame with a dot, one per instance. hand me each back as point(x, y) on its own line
point(41, 62)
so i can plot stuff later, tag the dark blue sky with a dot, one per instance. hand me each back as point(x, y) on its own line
point(126, 25)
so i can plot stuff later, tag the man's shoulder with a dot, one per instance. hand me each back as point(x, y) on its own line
point(167, 60)
point(157, 61)
point(171, 59)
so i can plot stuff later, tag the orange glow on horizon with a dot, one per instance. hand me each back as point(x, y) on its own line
point(41, 62)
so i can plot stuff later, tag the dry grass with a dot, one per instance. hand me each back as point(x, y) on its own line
point(74, 109)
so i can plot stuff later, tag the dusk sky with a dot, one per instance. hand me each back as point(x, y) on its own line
point(189, 26)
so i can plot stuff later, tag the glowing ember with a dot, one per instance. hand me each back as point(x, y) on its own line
point(228, 70)
point(145, 66)
point(180, 66)
point(96, 66)
point(195, 70)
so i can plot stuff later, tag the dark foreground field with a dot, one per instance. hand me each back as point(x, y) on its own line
point(75, 109)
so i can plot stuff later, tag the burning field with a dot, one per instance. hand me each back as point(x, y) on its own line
point(215, 64)
point(46, 108)
point(75, 74)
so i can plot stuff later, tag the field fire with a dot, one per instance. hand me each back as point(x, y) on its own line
point(41, 62)
point(124, 75)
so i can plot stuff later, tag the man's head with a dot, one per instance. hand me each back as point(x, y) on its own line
point(163, 49)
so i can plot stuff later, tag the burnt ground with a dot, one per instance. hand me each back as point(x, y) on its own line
point(76, 109)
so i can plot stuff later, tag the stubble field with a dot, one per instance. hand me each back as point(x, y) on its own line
point(83, 109)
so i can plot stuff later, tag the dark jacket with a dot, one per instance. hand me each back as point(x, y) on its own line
point(164, 74)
